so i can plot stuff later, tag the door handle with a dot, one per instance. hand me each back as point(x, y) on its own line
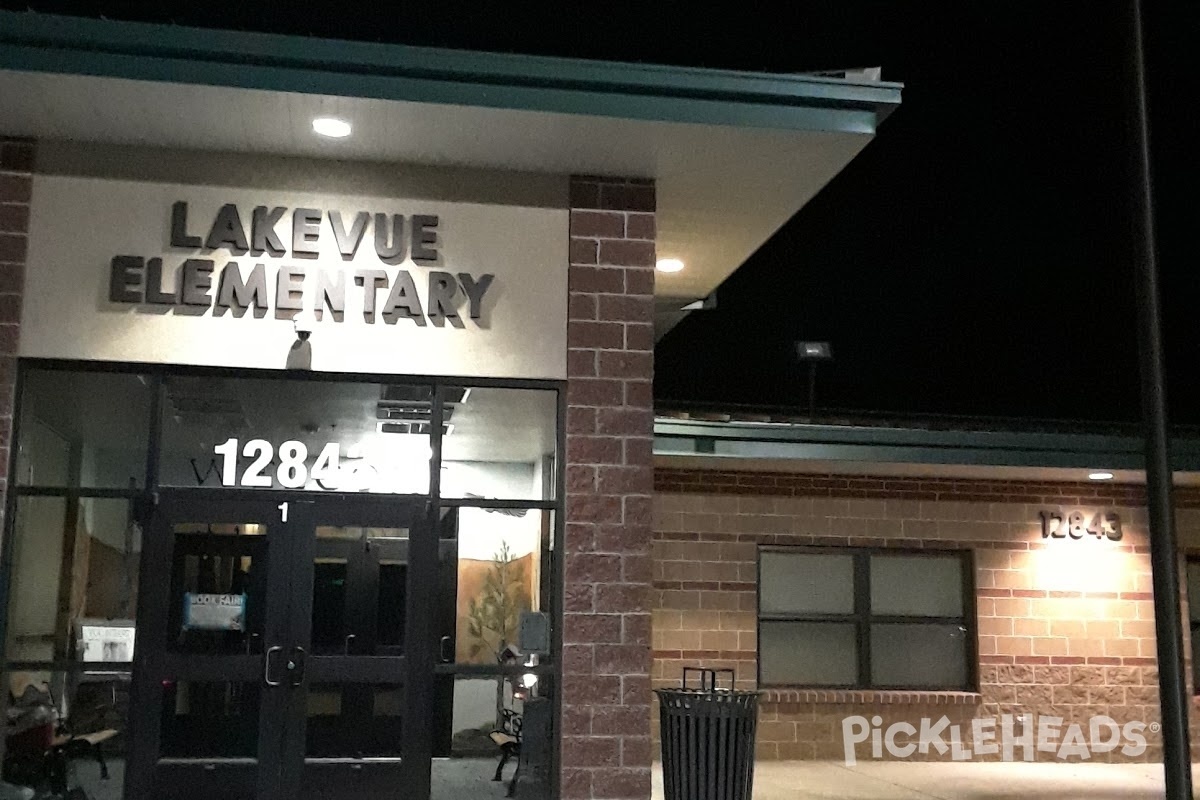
point(267, 666)
point(295, 665)
point(349, 640)
point(446, 650)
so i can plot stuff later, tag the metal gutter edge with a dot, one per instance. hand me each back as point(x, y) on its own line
point(911, 445)
point(143, 51)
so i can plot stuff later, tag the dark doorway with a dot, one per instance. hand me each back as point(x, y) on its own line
point(274, 659)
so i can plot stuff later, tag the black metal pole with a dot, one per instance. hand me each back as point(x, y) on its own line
point(812, 390)
point(1164, 564)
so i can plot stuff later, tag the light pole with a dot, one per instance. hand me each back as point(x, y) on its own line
point(1164, 557)
point(813, 353)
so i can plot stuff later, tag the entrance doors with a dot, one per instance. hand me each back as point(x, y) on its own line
point(286, 651)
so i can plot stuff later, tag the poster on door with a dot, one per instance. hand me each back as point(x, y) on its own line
point(214, 612)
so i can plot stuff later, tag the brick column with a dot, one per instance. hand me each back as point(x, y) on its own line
point(16, 185)
point(610, 422)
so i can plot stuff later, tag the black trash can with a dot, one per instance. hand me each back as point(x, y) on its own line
point(707, 739)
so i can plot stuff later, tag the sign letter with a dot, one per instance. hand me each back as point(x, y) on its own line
point(389, 249)
point(197, 281)
point(263, 237)
point(227, 230)
point(475, 290)
point(404, 295)
point(348, 241)
point(233, 292)
point(306, 230)
point(424, 238)
point(124, 282)
point(179, 234)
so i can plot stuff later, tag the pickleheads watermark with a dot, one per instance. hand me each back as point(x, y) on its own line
point(1013, 737)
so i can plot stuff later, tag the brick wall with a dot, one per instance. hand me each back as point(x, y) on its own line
point(1065, 627)
point(606, 631)
point(16, 167)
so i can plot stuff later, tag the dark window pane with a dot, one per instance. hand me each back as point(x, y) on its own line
point(354, 720)
point(219, 598)
point(210, 720)
point(806, 583)
point(1193, 590)
point(919, 655)
point(916, 585)
point(91, 708)
point(808, 653)
point(87, 429)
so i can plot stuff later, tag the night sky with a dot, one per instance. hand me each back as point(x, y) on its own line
point(975, 259)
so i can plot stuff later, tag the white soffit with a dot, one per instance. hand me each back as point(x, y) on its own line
point(722, 190)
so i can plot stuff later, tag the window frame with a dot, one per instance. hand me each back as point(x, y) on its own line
point(862, 617)
point(1191, 560)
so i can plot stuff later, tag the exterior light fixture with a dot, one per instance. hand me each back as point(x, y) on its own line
point(331, 127)
point(1100, 476)
point(669, 265)
point(813, 353)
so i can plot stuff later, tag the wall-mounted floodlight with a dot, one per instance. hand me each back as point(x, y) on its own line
point(813, 353)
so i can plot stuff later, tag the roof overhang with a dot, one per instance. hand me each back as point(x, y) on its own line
point(915, 451)
point(734, 154)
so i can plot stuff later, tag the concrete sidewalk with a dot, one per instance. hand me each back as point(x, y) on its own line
point(802, 780)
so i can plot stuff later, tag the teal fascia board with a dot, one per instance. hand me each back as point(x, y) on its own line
point(169, 53)
point(912, 445)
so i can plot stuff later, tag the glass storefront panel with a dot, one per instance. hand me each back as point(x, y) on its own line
point(483, 718)
point(498, 444)
point(354, 720)
point(210, 719)
point(219, 598)
point(66, 733)
point(83, 429)
point(76, 566)
point(295, 434)
point(499, 567)
point(74, 580)
point(360, 588)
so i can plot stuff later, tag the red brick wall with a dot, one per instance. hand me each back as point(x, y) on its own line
point(790, 484)
point(606, 630)
point(16, 167)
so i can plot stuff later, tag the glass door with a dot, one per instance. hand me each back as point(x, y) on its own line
point(357, 725)
point(277, 656)
point(212, 651)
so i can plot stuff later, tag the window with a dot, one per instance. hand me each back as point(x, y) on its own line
point(882, 619)
point(1193, 598)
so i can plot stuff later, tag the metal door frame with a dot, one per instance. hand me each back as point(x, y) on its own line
point(154, 663)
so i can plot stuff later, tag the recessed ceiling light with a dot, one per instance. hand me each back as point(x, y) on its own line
point(669, 265)
point(1100, 476)
point(331, 127)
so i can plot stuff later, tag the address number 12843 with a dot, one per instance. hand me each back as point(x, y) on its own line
point(1076, 525)
point(293, 471)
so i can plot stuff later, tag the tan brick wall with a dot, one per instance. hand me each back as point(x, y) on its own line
point(610, 424)
point(1065, 627)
